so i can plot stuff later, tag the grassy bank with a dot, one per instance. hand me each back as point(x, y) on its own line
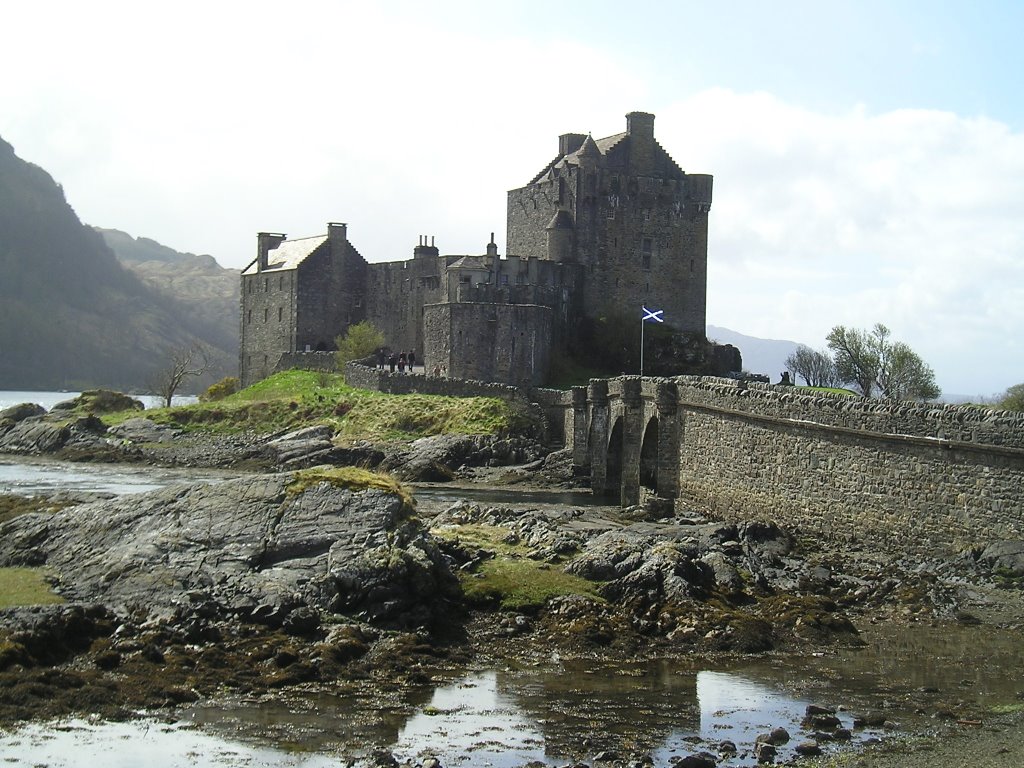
point(294, 399)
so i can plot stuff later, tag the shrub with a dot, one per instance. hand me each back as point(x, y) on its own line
point(226, 386)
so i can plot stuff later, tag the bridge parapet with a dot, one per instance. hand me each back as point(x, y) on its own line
point(927, 476)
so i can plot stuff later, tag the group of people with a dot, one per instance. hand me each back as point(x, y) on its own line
point(398, 362)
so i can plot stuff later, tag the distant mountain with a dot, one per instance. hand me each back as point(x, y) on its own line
point(71, 316)
point(207, 290)
point(767, 356)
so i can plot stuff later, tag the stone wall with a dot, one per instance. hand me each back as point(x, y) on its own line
point(307, 361)
point(268, 317)
point(927, 478)
point(510, 343)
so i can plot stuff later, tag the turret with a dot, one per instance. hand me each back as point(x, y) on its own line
point(559, 236)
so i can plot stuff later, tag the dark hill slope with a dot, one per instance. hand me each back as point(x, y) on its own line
point(70, 315)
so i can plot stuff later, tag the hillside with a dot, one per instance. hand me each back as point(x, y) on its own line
point(207, 290)
point(70, 315)
point(767, 356)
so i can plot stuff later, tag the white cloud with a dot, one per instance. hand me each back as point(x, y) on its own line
point(906, 218)
point(198, 127)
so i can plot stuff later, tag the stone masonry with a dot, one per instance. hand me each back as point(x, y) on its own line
point(607, 226)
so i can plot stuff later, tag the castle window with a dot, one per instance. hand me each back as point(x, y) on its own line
point(250, 286)
point(266, 284)
point(266, 313)
point(691, 266)
point(646, 252)
point(611, 213)
point(647, 214)
point(280, 314)
point(248, 318)
point(280, 283)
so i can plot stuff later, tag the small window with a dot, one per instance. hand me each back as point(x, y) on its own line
point(266, 313)
point(280, 283)
point(250, 286)
point(646, 252)
point(266, 284)
point(280, 314)
point(248, 318)
point(647, 214)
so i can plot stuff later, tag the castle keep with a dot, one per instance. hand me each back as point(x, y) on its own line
point(605, 227)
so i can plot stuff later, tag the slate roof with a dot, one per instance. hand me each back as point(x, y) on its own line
point(472, 262)
point(289, 254)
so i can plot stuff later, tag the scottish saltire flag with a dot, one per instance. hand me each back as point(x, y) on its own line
point(653, 314)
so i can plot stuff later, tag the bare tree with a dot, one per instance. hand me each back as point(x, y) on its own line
point(182, 362)
point(817, 369)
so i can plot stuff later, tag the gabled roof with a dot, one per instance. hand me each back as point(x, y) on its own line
point(289, 254)
point(472, 262)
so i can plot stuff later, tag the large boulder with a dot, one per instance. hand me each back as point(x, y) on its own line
point(98, 401)
point(256, 548)
point(1005, 557)
point(20, 412)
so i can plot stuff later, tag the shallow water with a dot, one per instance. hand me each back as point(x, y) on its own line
point(30, 477)
point(553, 713)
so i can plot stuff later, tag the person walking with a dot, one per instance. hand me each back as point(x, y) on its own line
point(412, 360)
point(401, 363)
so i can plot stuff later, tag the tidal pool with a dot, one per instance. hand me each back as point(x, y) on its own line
point(500, 718)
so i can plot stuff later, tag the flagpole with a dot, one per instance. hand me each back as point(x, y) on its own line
point(642, 348)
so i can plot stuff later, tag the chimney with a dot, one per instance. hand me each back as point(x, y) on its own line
point(492, 248)
point(337, 233)
point(569, 143)
point(425, 250)
point(265, 243)
point(640, 128)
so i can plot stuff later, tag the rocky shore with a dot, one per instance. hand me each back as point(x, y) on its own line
point(308, 574)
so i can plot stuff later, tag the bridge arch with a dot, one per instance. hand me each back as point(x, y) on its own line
point(614, 457)
point(649, 456)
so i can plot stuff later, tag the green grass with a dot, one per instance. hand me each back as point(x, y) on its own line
point(511, 580)
point(521, 584)
point(832, 390)
point(25, 586)
point(352, 478)
point(294, 399)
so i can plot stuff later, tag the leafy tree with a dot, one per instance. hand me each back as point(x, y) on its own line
point(361, 340)
point(1013, 399)
point(816, 368)
point(856, 356)
point(871, 361)
point(182, 362)
point(903, 375)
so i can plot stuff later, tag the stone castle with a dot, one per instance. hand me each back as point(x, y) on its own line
point(606, 227)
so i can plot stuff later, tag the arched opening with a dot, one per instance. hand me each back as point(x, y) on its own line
point(649, 457)
point(613, 472)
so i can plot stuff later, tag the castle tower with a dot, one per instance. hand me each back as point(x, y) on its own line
point(629, 215)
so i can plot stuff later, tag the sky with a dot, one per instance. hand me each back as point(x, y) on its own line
point(868, 156)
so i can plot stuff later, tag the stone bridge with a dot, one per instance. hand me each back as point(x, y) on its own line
point(922, 476)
